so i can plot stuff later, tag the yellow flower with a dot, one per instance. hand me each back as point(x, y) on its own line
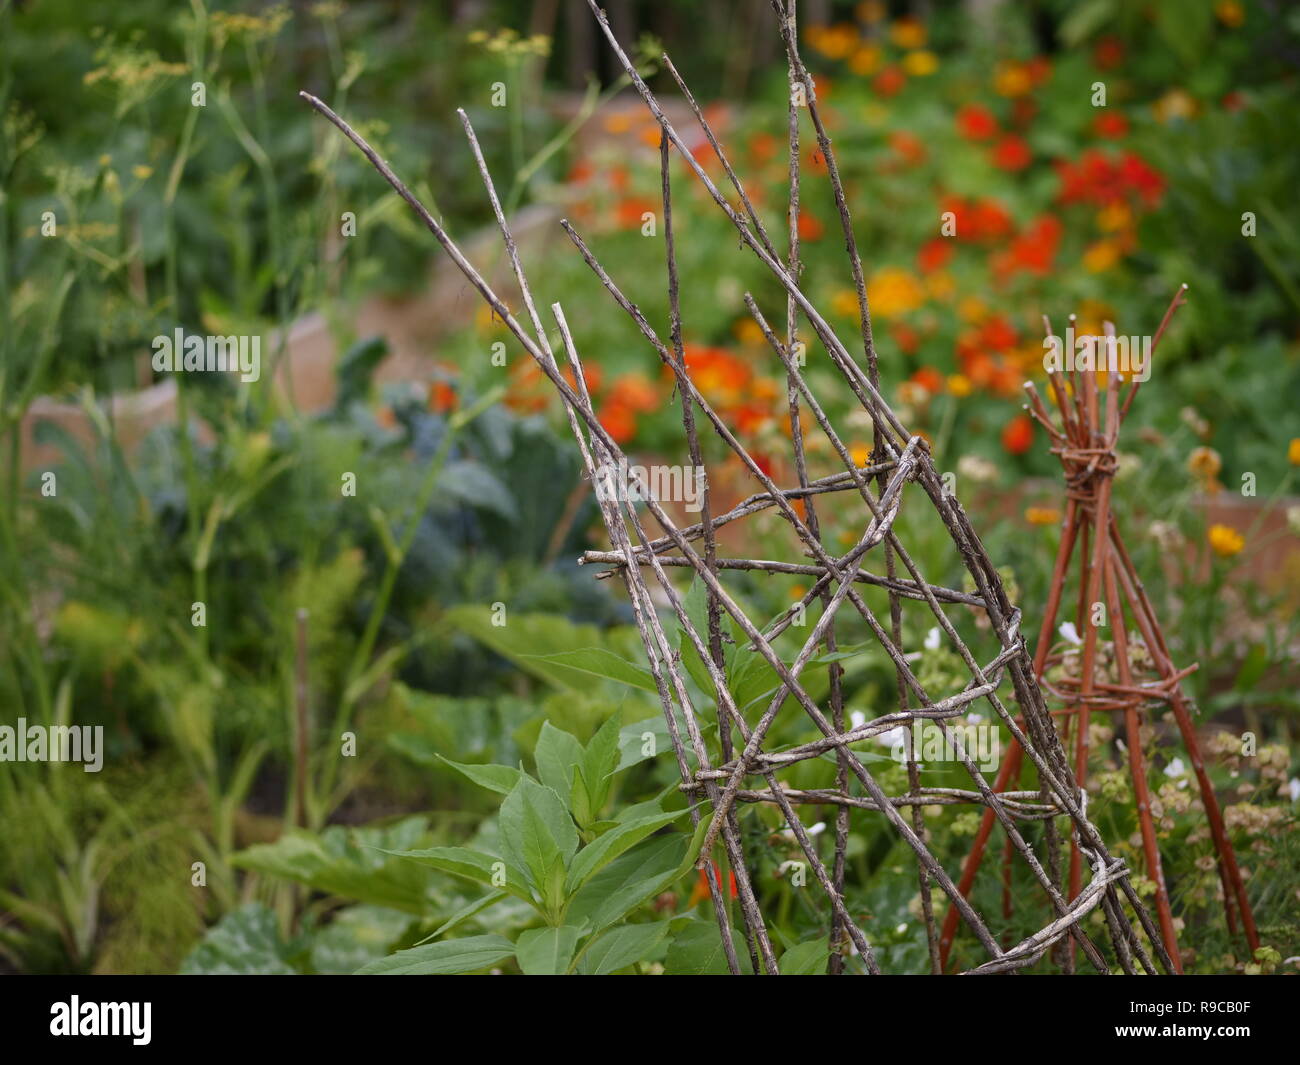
point(865, 60)
point(1115, 217)
point(1174, 104)
point(1042, 515)
point(860, 454)
point(892, 292)
point(1293, 451)
point(1012, 79)
point(835, 42)
point(959, 385)
point(939, 285)
point(1230, 13)
point(972, 310)
point(920, 63)
point(748, 331)
point(845, 302)
point(797, 591)
point(1101, 255)
point(907, 33)
point(142, 172)
point(1225, 540)
point(618, 122)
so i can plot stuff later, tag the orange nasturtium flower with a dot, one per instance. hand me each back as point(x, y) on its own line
point(1018, 434)
point(1042, 515)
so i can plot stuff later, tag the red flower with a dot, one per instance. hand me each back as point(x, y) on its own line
point(930, 379)
point(934, 255)
point(701, 891)
point(809, 227)
point(762, 147)
point(905, 337)
point(976, 123)
point(1018, 434)
point(1033, 250)
point(890, 81)
point(1110, 124)
point(630, 213)
point(981, 221)
point(618, 421)
point(908, 146)
point(1147, 182)
point(997, 334)
point(1108, 53)
point(442, 397)
point(636, 393)
point(1101, 180)
point(1012, 153)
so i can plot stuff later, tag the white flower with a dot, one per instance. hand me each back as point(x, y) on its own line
point(895, 735)
point(901, 928)
point(1175, 768)
point(817, 829)
point(932, 640)
point(857, 719)
point(1294, 785)
point(1070, 633)
point(974, 468)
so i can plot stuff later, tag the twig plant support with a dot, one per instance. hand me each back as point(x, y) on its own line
point(740, 768)
point(1086, 442)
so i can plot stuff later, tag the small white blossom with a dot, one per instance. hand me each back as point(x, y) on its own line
point(1070, 633)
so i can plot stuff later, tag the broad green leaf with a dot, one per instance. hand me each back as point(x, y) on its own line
point(635, 739)
point(621, 946)
point(246, 942)
point(498, 778)
point(538, 834)
point(805, 959)
point(599, 662)
point(603, 850)
point(442, 959)
point(627, 881)
point(697, 951)
point(348, 862)
point(546, 951)
point(472, 865)
point(558, 754)
point(599, 761)
point(356, 936)
point(530, 641)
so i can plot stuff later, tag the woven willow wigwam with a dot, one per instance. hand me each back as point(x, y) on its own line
point(738, 767)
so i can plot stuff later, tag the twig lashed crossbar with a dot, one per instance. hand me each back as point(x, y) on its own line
point(742, 769)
